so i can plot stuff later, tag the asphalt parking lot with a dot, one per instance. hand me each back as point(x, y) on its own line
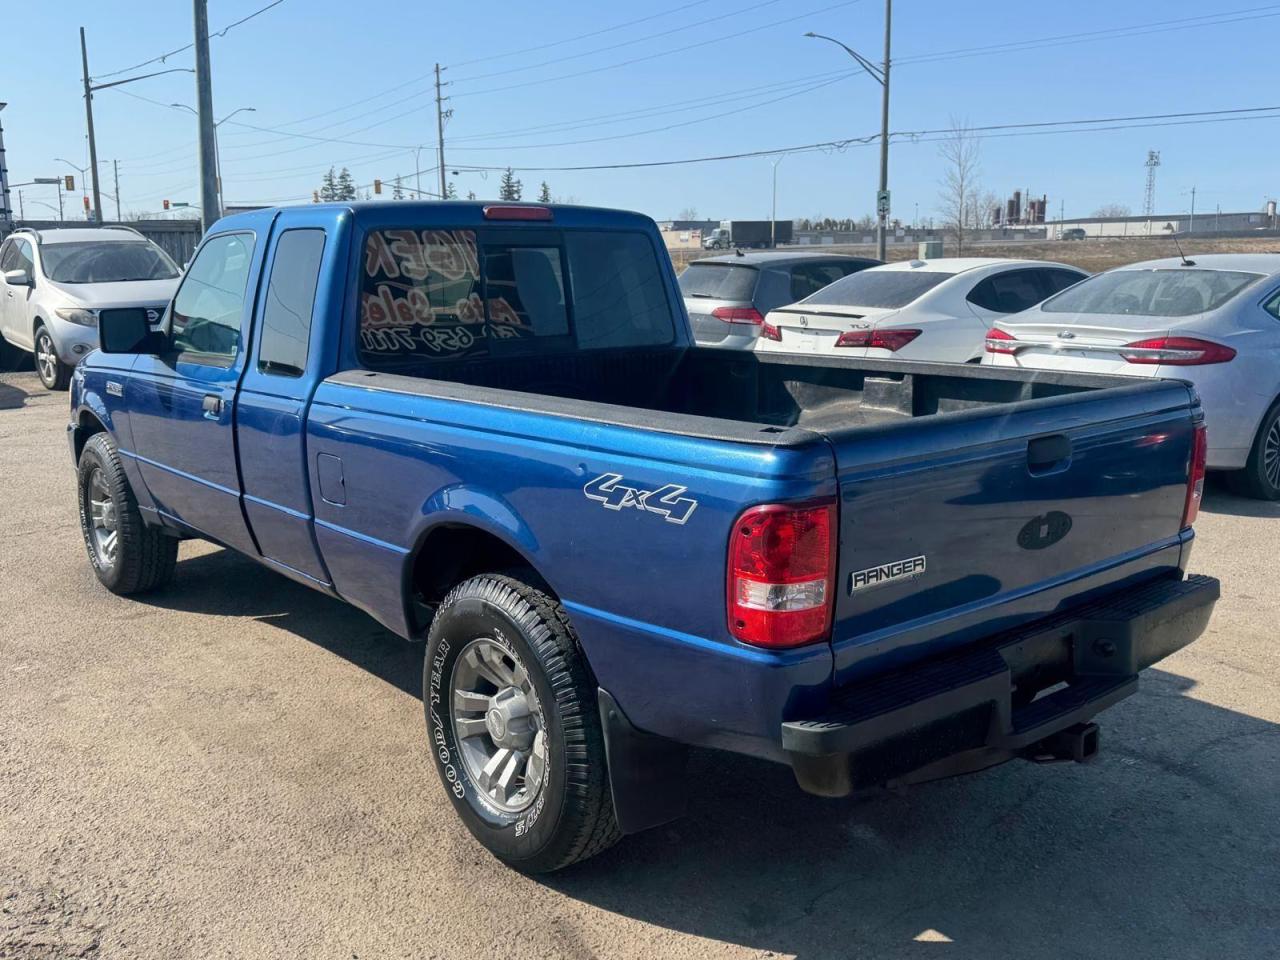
point(236, 767)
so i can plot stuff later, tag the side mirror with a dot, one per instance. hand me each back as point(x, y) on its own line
point(125, 330)
point(18, 278)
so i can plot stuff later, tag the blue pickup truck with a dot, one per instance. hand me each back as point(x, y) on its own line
point(488, 427)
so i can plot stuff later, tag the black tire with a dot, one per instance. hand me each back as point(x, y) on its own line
point(144, 556)
point(53, 373)
point(570, 815)
point(1260, 479)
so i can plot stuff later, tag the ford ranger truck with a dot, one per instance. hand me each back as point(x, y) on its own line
point(488, 427)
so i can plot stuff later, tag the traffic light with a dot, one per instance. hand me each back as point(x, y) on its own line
point(71, 183)
point(86, 203)
point(377, 186)
point(166, 204)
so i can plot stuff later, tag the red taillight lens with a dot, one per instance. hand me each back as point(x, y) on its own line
point(782, 574)
point(498, 212)
point(1176, 351)
point(769, 332)
point(1000, 342)
point(893, 338)
point(745, 315)
point(1195, 475)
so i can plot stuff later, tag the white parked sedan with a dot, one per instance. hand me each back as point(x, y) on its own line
point(1213, 320)
point(914, 309)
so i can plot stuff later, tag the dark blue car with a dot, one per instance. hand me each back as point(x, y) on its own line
point(487, 426)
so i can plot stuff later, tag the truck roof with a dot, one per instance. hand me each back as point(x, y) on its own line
point(445, 213)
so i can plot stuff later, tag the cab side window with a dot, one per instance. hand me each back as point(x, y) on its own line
point(208, 311)
point(291, 296)
point(16, 255)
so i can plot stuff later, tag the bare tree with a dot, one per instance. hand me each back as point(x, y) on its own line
point(1113, 210)
point(689, 213)
point(960, 153)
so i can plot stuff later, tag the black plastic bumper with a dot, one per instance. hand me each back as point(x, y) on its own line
point(979, 706)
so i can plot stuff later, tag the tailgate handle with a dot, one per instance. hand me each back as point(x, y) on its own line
point(1047, 455)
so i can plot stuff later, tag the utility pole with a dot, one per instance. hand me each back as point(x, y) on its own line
point(6, 211)
point(93, 144)
point(773, 216)
point(440, 133)
point(209, 208)
point(1191, 224)
point(22, 210)
point(115, 167)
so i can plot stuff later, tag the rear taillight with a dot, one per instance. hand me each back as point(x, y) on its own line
point(782, 574)
point(1195, 475)
point(513, 212)
point(769, 332)
point(744, 315)
point(1176, 351)
point(1000, 342)
point(893, 338)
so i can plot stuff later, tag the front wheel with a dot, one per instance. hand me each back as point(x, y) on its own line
point(127, 555)
point(53, 373)
point(514, 727)
point(1260, 478)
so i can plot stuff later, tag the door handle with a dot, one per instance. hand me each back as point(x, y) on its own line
point(212, 406)
point(1047, 455)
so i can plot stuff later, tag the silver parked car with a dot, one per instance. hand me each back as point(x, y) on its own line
point(727, 297)
point(1213, 320)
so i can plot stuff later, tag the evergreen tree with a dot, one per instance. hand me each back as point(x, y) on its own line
point(510, 188)
point(329, 187)
point(397, 193)
point(544, 195)
point(450, 191)
point(346, 186)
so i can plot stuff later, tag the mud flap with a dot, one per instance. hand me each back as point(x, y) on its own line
point(646, 773)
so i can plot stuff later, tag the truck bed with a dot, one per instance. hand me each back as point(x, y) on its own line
point(774, 399)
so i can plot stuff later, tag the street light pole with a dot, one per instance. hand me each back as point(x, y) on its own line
point(773, 215)
point(881, 75)
point(217, 154)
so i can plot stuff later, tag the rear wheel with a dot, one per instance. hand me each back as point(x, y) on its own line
point(53, 373)
point(514, 727)
point(1260, 478)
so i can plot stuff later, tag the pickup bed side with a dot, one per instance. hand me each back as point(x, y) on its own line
point(486, 427)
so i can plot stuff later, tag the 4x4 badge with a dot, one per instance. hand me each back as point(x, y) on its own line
point(666, 501)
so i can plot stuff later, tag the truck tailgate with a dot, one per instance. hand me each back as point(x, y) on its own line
point(1032, 507)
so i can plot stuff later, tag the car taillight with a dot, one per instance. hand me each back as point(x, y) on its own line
point(782, 573)
point(1176, 351)
point(1000, 342)
point(769, 332)
point(892, 338)
point(1195, 475)
point(512, 212)
point(744, 315)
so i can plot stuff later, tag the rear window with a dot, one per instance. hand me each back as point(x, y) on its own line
point(429, 295)
point(718, 281)
point(1175, 292)
point(886, 289)
point(106, 261)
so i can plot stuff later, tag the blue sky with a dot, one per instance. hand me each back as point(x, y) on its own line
point(725, 76)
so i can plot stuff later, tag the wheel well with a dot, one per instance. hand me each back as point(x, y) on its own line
point(86, 426)
point(452, 553)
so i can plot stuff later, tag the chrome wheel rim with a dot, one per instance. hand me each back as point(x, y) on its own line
point(103, 527)
point(1271, 455)
point(497, 720)
point(46, 358)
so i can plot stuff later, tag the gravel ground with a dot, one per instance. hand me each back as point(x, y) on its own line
point(236, 767)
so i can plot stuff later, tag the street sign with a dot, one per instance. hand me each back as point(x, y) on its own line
point(882, 203)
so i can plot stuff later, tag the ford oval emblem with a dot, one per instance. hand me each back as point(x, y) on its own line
point(804, 321)
point(1044, 531)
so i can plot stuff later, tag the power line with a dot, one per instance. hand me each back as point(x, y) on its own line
point(182, 49)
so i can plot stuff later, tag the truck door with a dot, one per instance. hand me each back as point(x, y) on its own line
point(290, 355)
point(182, 401)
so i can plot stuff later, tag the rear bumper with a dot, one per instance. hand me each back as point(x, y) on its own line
point(977, 707)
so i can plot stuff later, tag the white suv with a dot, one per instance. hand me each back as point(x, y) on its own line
point(56, 281)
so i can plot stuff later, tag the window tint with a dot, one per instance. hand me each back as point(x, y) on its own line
point(1176, 292)
point(106, 261)
point(879, 288)
point(1009, 292)
point(291, 294)
point(718, 281)
point(1055, 281)
point(209, 307)
point(809, 278)
point(446, 294)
